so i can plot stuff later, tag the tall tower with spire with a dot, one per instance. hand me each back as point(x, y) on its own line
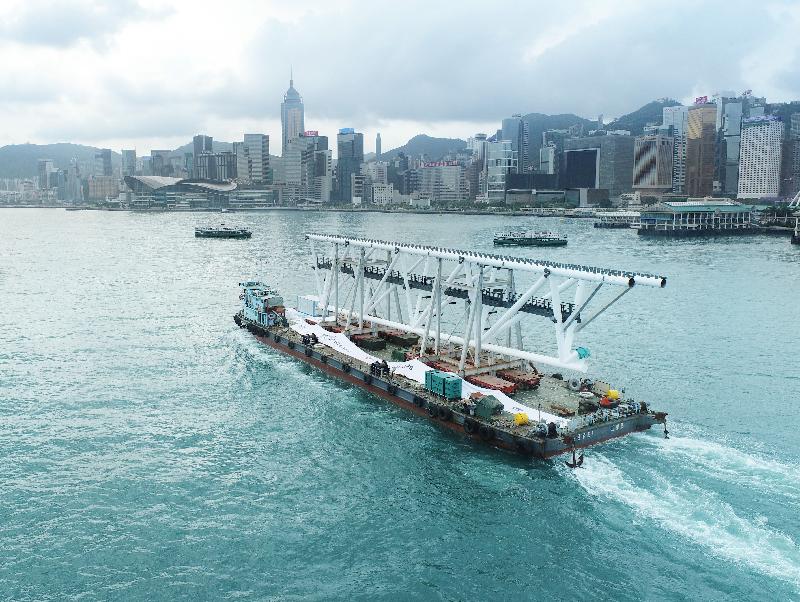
point(292, 114)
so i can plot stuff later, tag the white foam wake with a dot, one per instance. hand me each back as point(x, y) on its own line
point(699, 516)
point(747, 469)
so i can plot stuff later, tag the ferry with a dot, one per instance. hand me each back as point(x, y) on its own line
point(438, 332)
point(617, 219)
point(222, 231)
point(530, 239)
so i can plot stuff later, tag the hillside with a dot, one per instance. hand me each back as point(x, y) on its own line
point(649, 113)
point(432, 148)
point(21, 160)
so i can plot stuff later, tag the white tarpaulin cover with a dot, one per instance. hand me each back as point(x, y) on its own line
point(413, 369)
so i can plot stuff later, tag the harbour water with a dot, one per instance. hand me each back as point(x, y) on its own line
point(150, 449)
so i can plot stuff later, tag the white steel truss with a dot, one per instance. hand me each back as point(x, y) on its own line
point(417, 289)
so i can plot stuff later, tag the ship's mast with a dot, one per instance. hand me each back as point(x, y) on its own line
point(431, 280)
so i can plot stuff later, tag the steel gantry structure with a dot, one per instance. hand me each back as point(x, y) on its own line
point(418, 288)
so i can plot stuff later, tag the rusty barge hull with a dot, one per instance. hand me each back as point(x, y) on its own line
point(421, 404)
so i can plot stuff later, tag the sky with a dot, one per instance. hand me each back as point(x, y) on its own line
point(149, 74)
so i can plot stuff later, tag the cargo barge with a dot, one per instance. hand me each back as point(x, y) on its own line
point(491, 393)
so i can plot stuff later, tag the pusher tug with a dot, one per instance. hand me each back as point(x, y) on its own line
point(440, 332)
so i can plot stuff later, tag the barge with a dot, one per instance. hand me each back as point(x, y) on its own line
point(483, 383)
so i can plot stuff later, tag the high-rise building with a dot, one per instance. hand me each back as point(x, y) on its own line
point(102, 163)
point(517, 131)
point(256, 148)
point(349, 157)
point(378, 146)
point(604, 162)
point(652, 164)
point(444, 181)
point(160, 163)
point(501, 160)
point(378, 171)
point(45, 167)
point(700, 149)
point(201, 144)
point(791, 177)
point(729, 129)
point(760, 160)
point(215, 166)
point(292, 115)
point(676, 118)
point(128, 162)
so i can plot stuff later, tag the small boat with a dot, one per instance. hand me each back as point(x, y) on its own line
point(531, 239)
point(222, 231)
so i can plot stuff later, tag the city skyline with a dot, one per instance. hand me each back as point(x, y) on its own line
point(197, 88)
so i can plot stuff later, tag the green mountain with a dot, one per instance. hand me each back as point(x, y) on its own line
point(433, 148)
point(21, 160)
point(649, 113)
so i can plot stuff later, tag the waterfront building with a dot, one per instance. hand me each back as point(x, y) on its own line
point(601, 161)
point(677, 119)
point(760, 163)
point(501, 160)
point(444, 181)
point(358, 188)
point(696, 216)
point(252, 159)
point(378, 146)
point(382, 194)
point(128, 162)
point(652, 164)
point(174, 193)
point(258, 153)
point(292, 115)
point(700, 149)
point(349, 157)
point(103, 188)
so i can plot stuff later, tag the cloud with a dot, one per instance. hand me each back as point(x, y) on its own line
point(62, 23)
point(151, 71)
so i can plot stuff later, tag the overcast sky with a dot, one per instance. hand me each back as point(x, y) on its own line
point(151, 73)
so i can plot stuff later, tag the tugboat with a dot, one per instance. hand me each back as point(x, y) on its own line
point(222, 231)
point(530, 239)
point(387, 335)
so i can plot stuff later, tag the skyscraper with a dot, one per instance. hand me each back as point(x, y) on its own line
point(378, 146)
point(350, 156)
point(700, 149)
point(45, 167)
point(102, 163)
point(128, 162)
point(202, 144)
point(257, 149)
point(760, 159)
point(517, 131)
point(292, 115)
point(676, 118)
point(652, 164)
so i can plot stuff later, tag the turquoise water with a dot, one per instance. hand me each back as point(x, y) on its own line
point(149, 449)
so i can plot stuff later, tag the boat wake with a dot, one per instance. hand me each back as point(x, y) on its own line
point(695, 513)
point(732, 464)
